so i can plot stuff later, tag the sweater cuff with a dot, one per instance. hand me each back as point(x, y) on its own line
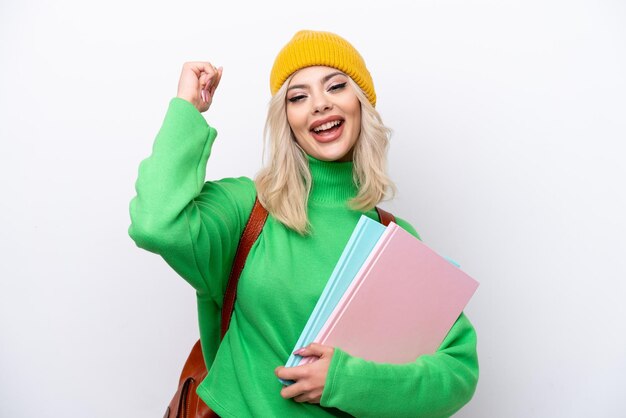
point(187, 112)
point(328, 395)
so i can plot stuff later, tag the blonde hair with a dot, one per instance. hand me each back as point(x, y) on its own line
point(284, 183)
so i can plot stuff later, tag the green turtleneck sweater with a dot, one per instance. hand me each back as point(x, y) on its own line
point(195, 226)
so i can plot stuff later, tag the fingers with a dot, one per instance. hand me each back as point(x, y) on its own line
point(290, 373)
point(299, 372)
point(212, 82)
point(209, 80)
point(309, 378)
point(311, 397)
point(199, 67)
point(198, 82)
point(218, 78)
point(315, 349)
point(304, 391)
point(205, 72)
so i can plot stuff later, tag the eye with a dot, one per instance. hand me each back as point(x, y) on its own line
point(338, 86)
point(295, 99)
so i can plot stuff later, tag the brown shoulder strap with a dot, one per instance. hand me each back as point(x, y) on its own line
point(248, 237)
point(384, 216)
point(195, 370)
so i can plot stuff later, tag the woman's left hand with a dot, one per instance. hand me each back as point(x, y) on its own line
point(310, 378)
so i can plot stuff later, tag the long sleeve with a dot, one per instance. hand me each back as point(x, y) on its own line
point(195, 226)
point(435, 385)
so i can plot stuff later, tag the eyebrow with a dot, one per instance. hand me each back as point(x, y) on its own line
point(324, 79)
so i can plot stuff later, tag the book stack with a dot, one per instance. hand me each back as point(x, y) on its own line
point(389, 299)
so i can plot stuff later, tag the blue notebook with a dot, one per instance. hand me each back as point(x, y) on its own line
point(363, 238)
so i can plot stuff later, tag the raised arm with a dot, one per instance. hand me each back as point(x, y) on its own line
point(195, 226)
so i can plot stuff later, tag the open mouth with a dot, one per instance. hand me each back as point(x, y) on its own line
point(328, 128)
point(328, 132)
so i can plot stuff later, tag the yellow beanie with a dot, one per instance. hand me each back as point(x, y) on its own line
point(308, 48)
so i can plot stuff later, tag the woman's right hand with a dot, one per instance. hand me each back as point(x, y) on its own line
point(198, 82)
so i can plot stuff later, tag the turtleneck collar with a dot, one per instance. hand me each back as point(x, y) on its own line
point(332, 181)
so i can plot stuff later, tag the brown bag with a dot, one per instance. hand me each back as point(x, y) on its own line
point(186, 403)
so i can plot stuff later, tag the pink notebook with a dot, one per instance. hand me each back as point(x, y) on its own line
point(400, 305)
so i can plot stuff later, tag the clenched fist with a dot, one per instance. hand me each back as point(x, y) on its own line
point(197, 84)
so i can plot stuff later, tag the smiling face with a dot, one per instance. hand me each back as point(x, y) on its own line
point(324, 113)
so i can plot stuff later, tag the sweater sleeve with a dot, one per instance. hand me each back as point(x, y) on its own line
point(434, 385)
point(195, 226)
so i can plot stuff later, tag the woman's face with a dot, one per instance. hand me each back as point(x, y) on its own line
point(324, 113)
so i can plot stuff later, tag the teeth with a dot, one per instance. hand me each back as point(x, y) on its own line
point(327, 126)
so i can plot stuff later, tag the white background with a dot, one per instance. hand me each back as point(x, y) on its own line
point(508, 151)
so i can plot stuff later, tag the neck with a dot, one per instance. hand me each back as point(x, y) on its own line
point(333, 181)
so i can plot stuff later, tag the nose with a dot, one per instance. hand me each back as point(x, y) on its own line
point(321, 104)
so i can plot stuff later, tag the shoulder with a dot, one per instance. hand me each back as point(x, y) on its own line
point(237, 191)
point(401, 222)
point(225, 205)
point(408, 227)
point(235, 187)
point(404, 224)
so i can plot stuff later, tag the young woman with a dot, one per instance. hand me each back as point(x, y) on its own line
point(327, 159)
